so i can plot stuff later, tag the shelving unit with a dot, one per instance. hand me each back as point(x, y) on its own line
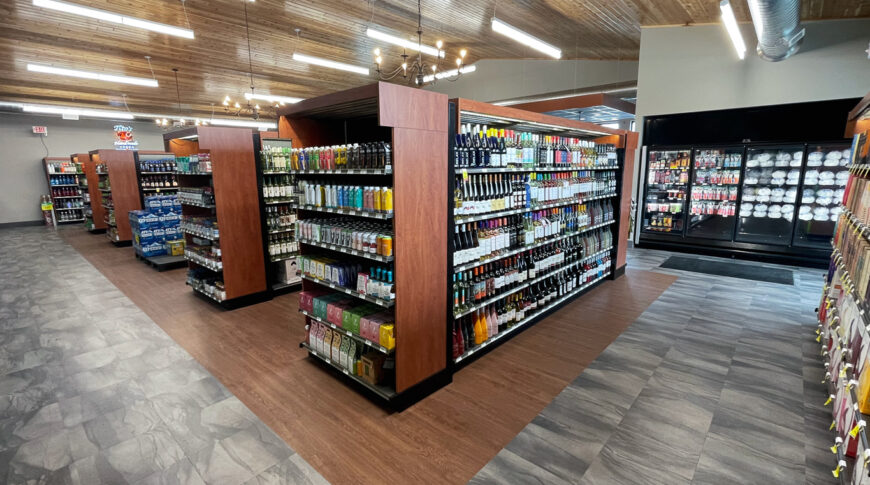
point(89, 184)
point(844, 322)
point(231, 173)
point(277, 187)
point(148, 180)
point(119, 191)
point(63, 188)
point(418, 176)
point(466, 112)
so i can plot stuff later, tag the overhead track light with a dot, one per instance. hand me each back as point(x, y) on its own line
point(524, 38)
point(407, 44)
point(114, 18)
point(92, 113)
point(273, 99)
point(731, 26)
point(331, 64)
point(139, 81)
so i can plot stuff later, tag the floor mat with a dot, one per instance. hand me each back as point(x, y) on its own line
point(753, 272)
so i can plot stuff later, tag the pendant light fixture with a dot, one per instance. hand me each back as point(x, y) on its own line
point(418, 71)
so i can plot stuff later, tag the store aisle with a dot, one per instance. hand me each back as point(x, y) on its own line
point(92, 391)
point(718, 381)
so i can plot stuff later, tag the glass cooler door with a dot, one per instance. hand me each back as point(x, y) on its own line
point(826, 171)
point(667, 182)
point(715, 181)
point(770, 187)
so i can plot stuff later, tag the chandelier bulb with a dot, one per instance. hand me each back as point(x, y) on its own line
point(458, 61)
point(439, 44)
point(405, 65)
point(377, 51)
point(462, 53)
point(434, 68)
point(237, 105)
point(378, 60)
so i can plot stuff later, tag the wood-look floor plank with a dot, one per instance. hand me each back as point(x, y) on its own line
point(446, 438)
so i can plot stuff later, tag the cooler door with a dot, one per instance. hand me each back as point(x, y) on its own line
point(826, 171)
point(664, 208)
point(713, 198)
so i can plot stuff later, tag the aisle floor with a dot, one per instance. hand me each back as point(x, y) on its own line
point(715, 380)
point(719, 381)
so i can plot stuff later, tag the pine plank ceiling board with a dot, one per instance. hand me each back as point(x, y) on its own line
point(215, 63)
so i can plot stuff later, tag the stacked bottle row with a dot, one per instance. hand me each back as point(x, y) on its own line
point(163, 164)
point(280, 218)
point(65, 192)
point(206, 254)
point(476, 328)
point(206, 227)
point(61, 168)
point(714, 193)
point(278, 187)
point(68, 216)
point(198, 196)
point(480, 194)
point(669, 177)
point(158, 181)
point(717, 177)
point(669, 160)
point(366, 199)
point(377, 283)
point(282, 246)
point(68, 204)
point(207, 283)
point(479, 146)
point(488, 239)
point(492, 279)
point(707, 208)
point(363, 236)
point(194, 164)
point(375, 155)
point(717, 159)
point(63, 179)
point(275, 158)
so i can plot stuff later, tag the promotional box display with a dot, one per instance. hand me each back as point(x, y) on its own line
point(156, 229)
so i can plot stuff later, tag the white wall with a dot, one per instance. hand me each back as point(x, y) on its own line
point(684, 69)
point(496, 79)
point(22, 180)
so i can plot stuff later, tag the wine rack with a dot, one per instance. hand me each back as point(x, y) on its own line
point(63, 186)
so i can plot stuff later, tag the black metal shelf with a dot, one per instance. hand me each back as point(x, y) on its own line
point(358, 338)
point(342, 249)
point(459, 219)
point(376, 301)
point(382, 391)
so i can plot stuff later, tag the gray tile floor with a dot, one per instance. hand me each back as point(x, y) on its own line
point(94, 392)
point(717, 382)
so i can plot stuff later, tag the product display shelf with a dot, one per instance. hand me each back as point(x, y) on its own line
point(546, 310)
point(348, 291)
point(552, 205)
point(375, 345)
point(117, 182)
point(278, 216)
point(58, 169)
point(464, 112)
point(417, 175)
point(229, 168)
point(514, 252)
point(148, 179)
point(346, 250)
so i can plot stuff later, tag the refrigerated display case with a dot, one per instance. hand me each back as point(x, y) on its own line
point(826, 171)
point(667, 186)
point(714, 192)
point(770, 189)
point(776, 202)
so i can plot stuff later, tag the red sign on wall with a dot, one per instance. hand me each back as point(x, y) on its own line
point(40, 130)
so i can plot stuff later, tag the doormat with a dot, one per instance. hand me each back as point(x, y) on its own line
point(731, 269)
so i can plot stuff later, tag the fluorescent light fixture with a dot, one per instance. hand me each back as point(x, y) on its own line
point(114, 18)
point(407, 44)
point(92, 113)
point(331, 64)
point(273, 99)
point(731, 26)
point(524, 38)
point(450, 73)
point(243, 124)
point(139, 81)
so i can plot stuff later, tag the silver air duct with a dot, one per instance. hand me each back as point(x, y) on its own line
point(778, 27)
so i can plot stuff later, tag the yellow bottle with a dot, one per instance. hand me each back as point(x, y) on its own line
point(387, 200)
point(377, 196)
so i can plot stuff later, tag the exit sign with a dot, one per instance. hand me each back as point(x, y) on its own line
point(40, 130)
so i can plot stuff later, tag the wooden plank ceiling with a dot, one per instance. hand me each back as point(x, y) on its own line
point(215, 63)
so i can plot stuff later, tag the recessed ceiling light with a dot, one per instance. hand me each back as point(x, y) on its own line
point(139, 81)
point(114, 18)
point(273, 99)
point(524, 38)
point(331, 64)
point(407, 44)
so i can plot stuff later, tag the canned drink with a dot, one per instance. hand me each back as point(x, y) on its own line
point(387, 246)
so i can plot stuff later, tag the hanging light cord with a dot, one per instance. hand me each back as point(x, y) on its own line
point(148, 58)
point(177, 89)
point(186, 18)
point(250, 58)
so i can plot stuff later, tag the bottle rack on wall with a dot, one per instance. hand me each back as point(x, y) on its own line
point(548, 192)
point(89, 185)
point(118, 186)
point(844, 322)
point(216, 171)
point(357, 145)
point(277, 185)
point(63, 187)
